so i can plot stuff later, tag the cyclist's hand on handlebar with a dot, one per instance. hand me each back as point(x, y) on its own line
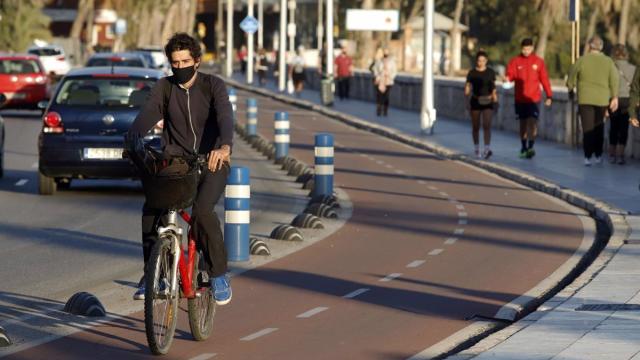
point(218, 157)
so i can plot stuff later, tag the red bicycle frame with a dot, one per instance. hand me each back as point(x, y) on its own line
point(186, 262)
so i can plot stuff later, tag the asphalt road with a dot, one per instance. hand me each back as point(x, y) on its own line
point(431, 244)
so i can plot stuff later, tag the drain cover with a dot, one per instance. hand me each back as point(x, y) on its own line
point(609, 307)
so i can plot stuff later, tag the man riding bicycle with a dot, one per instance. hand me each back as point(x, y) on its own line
point(198, 121)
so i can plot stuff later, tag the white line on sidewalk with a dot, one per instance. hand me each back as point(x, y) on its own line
point(258, 334)
point(450, 241)
point(390, 277)
point(21, 182)
point(203, 356)
point(460, 207)
point(416, 263)
point(435, 252)
point(462, 222)
point(353, 294)
point(458, 231)
point(312, 312)
point(462, 214)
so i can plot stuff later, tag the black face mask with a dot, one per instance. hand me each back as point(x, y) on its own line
point(183, 75)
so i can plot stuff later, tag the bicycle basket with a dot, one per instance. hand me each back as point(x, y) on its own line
point(173, 186)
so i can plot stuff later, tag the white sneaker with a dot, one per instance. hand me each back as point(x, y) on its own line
point(587, 162)
point(598, 160)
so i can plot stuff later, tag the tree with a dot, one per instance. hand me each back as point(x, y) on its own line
point(455, 35)
point(22, 22)
point(83, 21)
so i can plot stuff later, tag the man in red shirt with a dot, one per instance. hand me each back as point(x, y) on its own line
point(344, 71)
point(528, 72)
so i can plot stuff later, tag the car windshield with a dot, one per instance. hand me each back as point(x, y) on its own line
point(107, 91)
point(19, 66)
point(45, 52)
point(107, 62)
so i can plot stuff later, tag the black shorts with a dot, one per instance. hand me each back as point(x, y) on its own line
point(297, 77)
point(527, 110)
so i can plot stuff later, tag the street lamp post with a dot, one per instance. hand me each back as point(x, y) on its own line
point(282, 43)
point(427, 112)
point(229, 44)
point(250, 46)
point(291, 29)
point(329, 27)
point(260, 26)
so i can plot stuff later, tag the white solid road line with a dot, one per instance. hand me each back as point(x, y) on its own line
point(450, 241)
point(21, 182)
point(390, 277)
point(416, 263)
point(436, 252)
point(258, 334)
point(358, 292)
point(462, 222)
point(458, 231)
point(312, 312)
point(203, 356)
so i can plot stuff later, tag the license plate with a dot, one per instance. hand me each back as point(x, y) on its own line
point(17, 96)
point(103, 153)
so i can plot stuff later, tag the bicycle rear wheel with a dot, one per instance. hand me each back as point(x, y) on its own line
point(160, 304)
point(202, 308)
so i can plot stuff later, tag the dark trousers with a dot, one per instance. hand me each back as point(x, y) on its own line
point(343, 87)
point(382, 100)
point(592, 118)
point(206, 226)
point(619, 130)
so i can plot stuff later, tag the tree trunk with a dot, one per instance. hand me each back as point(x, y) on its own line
point(545, 27)
point(88, 46)
point(366, 47)
point(591, 29)
point(144, 23)
point(624, 21)
point(191, 19)
point(169, 21)
point(454, 34)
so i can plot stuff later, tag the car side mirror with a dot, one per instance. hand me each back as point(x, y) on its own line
point(3, 100)
point(43, 104)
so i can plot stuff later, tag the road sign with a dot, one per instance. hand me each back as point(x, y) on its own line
point(249, 25)
point(574, 10)
point(372, 20)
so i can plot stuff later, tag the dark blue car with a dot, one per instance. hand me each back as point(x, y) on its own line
point(84, 125)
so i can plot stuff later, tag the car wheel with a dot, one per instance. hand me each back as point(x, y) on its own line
point(63, 183)
point(46, 185)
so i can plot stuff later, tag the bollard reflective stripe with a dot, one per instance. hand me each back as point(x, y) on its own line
point(233, 99)
point(252, 117)
point(237, 214)
point(324, 168)
point(281, 136)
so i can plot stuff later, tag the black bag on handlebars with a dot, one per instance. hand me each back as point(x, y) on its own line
point(173, 186)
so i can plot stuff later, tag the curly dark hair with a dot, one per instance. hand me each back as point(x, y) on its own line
point(183, 41)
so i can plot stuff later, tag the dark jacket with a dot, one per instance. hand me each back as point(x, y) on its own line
point(197, 120)
point(634, 94)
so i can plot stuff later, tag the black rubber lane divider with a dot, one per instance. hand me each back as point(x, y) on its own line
point(85, 304)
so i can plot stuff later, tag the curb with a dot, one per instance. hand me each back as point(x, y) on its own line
point(612, 217)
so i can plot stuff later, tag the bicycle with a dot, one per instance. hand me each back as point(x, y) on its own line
point(172, 274)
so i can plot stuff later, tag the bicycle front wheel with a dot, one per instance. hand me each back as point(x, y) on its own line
point(202, 308)
point(160, 304)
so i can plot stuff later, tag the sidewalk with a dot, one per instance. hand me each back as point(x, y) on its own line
point(562, 328)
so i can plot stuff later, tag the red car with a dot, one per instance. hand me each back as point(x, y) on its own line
point(23, 81)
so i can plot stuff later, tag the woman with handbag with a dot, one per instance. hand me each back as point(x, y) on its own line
point(384, 71)
point(481, 98)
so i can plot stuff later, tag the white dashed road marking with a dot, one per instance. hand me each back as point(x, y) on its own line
point(379, 162)
point(436, 252)
point(203, 357)
point(462, 214)
point(433, 188)
point(422, 182)
point(416, 263)
point(400, 172)
point(444, 194)
point(460, 207)
point(258, 334)
point(458, 231)
point(353, 294)
point(388, 166)
point(312, 312)
point(450, 241)
point(21, 182)
point(390, 277)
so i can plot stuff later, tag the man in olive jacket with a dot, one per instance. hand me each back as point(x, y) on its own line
point(634, 99)
point(596, 77)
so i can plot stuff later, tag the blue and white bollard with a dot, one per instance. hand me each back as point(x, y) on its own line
point(323, 165)
point(281, 136)
point(233, 99)
point(237, 214)
point(252, 117)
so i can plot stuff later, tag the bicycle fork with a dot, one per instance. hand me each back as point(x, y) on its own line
point(175, 232)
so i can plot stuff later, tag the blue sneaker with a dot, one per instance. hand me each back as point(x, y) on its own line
point(221, 289)
point(139, 294)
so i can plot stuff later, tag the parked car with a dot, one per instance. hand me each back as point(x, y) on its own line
point(2, 136)
point(160, 61)
point(118, 59)
point(23, 80)
point(85, 121)
point(52, 58)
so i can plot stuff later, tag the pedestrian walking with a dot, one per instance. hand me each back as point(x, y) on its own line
point(619, 126)
point(242, 56)
point(262, 66)
point(528, 72)
point(344, 72)
point(634, 99)
point(296, 71)
point(596, 77)
point(384, 71)
point(481, 98)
